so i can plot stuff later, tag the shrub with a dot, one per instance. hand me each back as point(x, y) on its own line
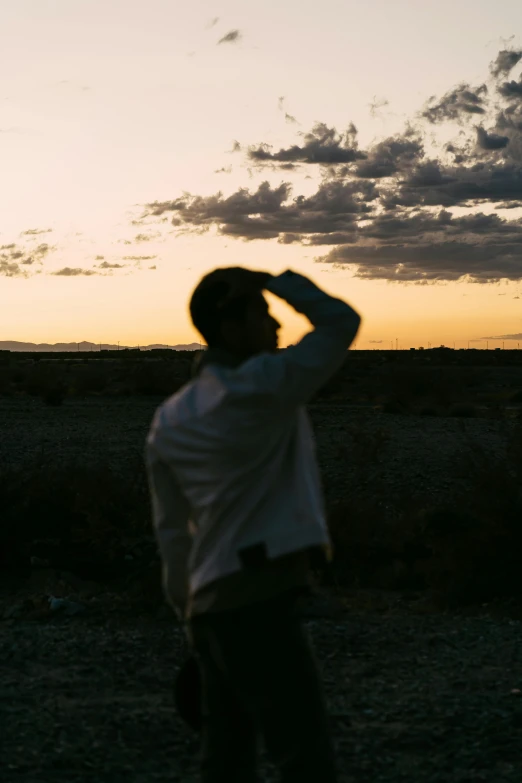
point(467, 552)
point(76, 517)
point(89, 379)
point(160, 380)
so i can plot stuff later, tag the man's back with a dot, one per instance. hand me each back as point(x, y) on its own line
point(231, 456)
point(246, 466)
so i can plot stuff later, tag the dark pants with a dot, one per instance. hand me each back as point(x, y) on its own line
point(260, 679)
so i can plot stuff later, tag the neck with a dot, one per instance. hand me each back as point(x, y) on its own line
point(218, 355)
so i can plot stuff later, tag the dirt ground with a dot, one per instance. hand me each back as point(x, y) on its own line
point(413, 696)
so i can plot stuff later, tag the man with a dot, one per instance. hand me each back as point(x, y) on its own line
point(239, 518)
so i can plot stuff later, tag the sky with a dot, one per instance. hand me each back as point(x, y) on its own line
point(375, 147)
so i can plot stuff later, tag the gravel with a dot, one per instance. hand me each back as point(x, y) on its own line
point(414, 452)
point(414, 695)
point(429, 698)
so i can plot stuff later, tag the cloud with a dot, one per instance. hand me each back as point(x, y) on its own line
point(323, 145)
point(99, 258)
point(391, 156)
point(139, 258)
point(376, 342)
point(505, 62)
point(503, 336)
point(511, 90)
point(376, 105)
point(328, 216)
point(491, 141)
point(224, 170)
point(36, 232)
point(146, 237)
point(289, 118)
point(231, 37)
point(460, 102)
point(213, 22)
point(68, 271)
point(107, 265)
point(140, 238)
point(153, 267)
point(407, 208)
point(15, 260)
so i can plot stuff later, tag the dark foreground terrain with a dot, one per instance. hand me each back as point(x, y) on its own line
point(413, 696)
point(417, 694)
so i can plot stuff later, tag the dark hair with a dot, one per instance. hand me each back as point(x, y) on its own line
point(208, 305)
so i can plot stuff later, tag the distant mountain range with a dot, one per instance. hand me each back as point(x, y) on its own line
point(13, 345)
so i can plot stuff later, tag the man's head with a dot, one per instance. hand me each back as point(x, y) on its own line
point(229, 310)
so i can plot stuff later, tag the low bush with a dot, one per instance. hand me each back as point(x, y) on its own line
point(466, 553)
point(77, 518)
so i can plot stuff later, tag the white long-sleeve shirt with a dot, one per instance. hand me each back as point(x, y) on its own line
point(231, 458)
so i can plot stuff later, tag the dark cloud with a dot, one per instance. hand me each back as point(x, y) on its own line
point(391, 156)
point(271, 213)
point(505, 62)
point(68, 271)
point(491, 141)
point(388, 211)
point(511, 89)
point(99, 258)
point(224, 170)
point(31, 232)
point(430, 262)
point(232, 37)
point(323, 145)
point(432, 183)
point(460, 102)
point(153, 267)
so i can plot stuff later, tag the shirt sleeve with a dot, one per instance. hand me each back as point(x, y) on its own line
point(295, 374)
point(170, 512)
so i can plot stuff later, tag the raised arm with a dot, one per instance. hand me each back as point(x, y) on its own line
point(295, 374)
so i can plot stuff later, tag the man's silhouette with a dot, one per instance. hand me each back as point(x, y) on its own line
point(238, 515)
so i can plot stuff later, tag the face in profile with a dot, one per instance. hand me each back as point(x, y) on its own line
point(256, 332)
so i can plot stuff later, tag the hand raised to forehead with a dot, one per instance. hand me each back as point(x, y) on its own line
point(241, 282)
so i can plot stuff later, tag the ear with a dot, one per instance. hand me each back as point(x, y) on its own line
point(230, 332)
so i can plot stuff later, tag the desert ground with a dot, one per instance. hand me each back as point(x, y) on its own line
point(417, 690)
